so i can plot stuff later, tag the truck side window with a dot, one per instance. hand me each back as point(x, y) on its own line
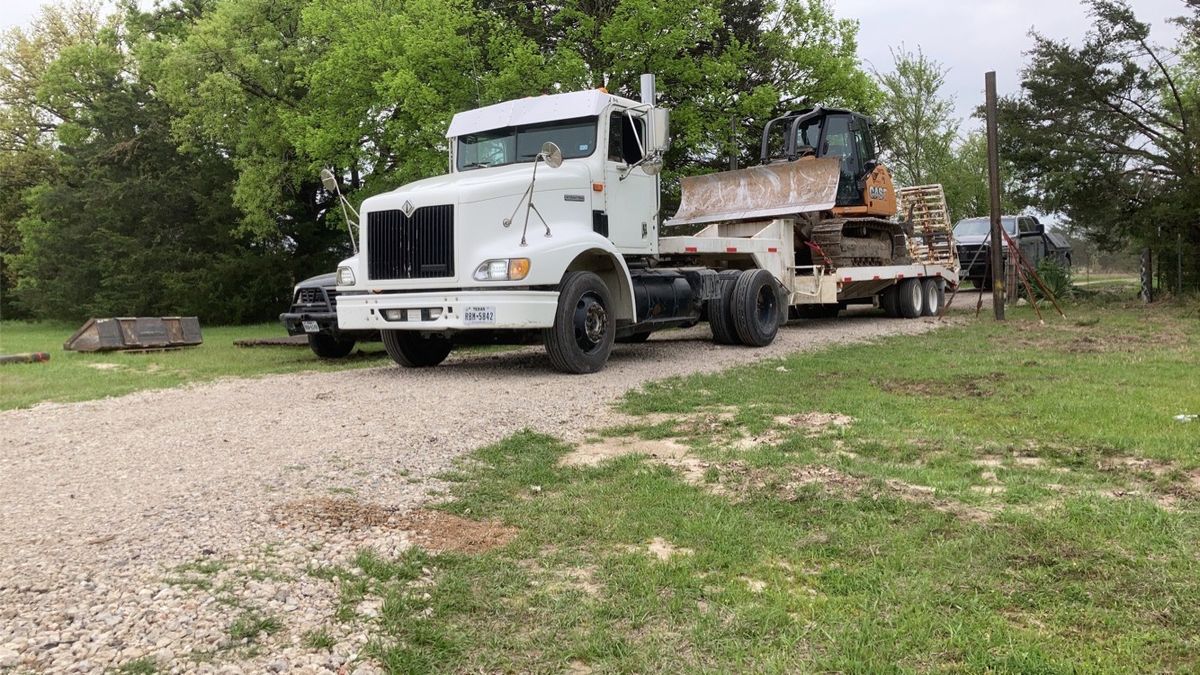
point(1024, 225)
point(622, 143)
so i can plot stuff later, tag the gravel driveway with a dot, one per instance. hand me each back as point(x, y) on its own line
point(142, 527)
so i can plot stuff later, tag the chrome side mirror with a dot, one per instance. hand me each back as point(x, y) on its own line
point(551, 154)
point(653, 165)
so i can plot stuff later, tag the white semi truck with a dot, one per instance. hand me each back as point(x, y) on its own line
point(547, 228)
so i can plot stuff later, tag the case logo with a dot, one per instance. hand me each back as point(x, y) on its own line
point(878, 193)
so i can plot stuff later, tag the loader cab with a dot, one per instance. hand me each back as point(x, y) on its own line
point(825, 132)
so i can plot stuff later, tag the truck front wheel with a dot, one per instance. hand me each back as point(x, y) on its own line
point(330, 347)
point(584, 326)
point(413, 350)
point(756, 308)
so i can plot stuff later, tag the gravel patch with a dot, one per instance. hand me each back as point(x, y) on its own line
point(147, 526)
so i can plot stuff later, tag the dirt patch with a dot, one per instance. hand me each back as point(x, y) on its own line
point(441, 531)
point(697, 423)
point(664, 550)
point(336, 512)
point(592, 454)
point(1136, 464)
point(973, 387)
point(105, 366)
point(815, 423)
point(769, 437)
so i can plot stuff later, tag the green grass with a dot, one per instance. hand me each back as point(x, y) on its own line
point(74, 376)
point(252, 624)
point(1081, 557)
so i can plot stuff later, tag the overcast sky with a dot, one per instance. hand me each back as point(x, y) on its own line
point(968, 36)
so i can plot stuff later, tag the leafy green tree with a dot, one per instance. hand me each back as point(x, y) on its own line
point(27, 121)
point(127, 223)
point(918, 122)
point(1108, 133)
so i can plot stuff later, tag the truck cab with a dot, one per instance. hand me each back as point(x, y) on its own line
point(485, 248)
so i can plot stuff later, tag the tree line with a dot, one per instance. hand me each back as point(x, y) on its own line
point(165, 160)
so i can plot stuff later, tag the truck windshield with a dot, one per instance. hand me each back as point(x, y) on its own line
point(979, 227)
point(576, 138)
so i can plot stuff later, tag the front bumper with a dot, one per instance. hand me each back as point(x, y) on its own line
point(293, 322)
point(447, 311)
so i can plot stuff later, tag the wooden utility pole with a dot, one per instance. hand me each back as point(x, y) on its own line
point(997, 238)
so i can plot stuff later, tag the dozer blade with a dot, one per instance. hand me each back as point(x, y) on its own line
point(759, 192)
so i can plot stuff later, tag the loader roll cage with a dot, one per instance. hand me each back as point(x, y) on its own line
point(824, 132)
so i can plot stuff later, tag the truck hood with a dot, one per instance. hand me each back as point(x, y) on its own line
point(972, 240)
point(478, 185)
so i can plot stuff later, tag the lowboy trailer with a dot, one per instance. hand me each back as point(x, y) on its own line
point(547, 228)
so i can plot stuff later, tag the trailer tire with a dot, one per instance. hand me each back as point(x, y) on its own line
point(720, 309)
point(330, 347)
point(584, 327)
point(413, 350)
point(910, 298)
point(935, 297)
point(756, 308)
point(889, 300)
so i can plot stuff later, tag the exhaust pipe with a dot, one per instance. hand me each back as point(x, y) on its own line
point(648, 93)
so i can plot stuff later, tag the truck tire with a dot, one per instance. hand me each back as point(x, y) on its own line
point(720, 309)
point(935, 297)
point(330, 347)
point(910, 298)
point(889, 300)
point(584, 327)
point(413, 350)
point(756, 308)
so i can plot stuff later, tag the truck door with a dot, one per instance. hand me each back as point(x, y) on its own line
point(630, 197)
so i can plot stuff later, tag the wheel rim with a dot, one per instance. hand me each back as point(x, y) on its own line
point(765, 305)
point(916, 293)
point(932, 300)
point(590, 323)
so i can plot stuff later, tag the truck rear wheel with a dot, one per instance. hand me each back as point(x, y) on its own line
point(330, 347)
point(413, 350)
point(910, 298)
point(934, 294)
point(756, 308)
point(720, 309)
point(584, 328)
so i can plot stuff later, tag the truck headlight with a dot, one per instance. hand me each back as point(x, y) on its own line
point(502, 269)
point(345, 276)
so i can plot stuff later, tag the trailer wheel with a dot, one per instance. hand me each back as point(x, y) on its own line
point(414, 350)
point(935, 296)
point(584, 328)
point(720, 309)
point(330, 347)
point(889, 300)
point(910, 298)
point(756, 308)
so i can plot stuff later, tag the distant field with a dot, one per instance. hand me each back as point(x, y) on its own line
point(74, 376)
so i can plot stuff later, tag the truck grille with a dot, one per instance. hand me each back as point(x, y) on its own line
point(420, 246)
point(315, 298)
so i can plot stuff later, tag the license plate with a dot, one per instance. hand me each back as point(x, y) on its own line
point(310, 327)
point(479, 315)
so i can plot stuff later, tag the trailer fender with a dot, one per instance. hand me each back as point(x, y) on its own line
point(611, 268)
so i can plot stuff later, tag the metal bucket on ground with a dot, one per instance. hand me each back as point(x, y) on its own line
point(143, 332)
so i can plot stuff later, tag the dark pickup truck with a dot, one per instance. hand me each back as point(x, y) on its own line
point(974, 245)
point(314, 313)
